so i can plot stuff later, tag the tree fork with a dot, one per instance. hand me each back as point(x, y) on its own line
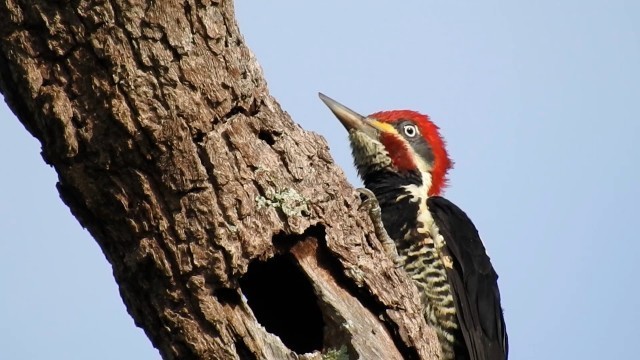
point(171, 152)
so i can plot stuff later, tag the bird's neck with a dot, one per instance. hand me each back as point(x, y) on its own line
point(402, 197)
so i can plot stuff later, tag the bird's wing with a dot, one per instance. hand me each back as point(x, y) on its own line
point(473, 281)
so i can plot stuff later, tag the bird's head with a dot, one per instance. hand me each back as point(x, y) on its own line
point(398, 141)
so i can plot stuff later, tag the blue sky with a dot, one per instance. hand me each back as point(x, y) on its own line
point(540, 105)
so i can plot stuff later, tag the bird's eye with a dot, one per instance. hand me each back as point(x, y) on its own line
point(410, 130)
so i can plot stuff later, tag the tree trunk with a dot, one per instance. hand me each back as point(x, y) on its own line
point(231, 232)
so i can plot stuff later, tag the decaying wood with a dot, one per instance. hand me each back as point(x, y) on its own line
point(171, 152)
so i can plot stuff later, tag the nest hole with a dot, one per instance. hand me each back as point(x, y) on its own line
point(267, 136)
point(283, 301)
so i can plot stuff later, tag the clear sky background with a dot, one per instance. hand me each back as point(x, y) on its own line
point(539, 102)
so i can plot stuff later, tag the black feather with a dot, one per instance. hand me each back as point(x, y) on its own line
point(473, 281)
point(400, 211)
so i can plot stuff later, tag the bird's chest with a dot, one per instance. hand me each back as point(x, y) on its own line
point(420, 246)
point(410, 224)
point(412, 227)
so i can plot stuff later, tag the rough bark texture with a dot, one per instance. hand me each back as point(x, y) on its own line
point(211, 205)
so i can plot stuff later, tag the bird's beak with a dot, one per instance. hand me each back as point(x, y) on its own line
point(352, 121)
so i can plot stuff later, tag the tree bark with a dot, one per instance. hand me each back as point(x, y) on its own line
point(219, 215)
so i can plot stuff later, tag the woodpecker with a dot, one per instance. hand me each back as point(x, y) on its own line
point(403, 163)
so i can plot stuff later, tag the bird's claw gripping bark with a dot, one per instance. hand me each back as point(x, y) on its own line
point(371, 205)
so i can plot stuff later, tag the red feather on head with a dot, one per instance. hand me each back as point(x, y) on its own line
point(400, 154)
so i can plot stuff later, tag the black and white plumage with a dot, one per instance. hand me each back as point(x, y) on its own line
point(473, 281)
point(401, 158)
